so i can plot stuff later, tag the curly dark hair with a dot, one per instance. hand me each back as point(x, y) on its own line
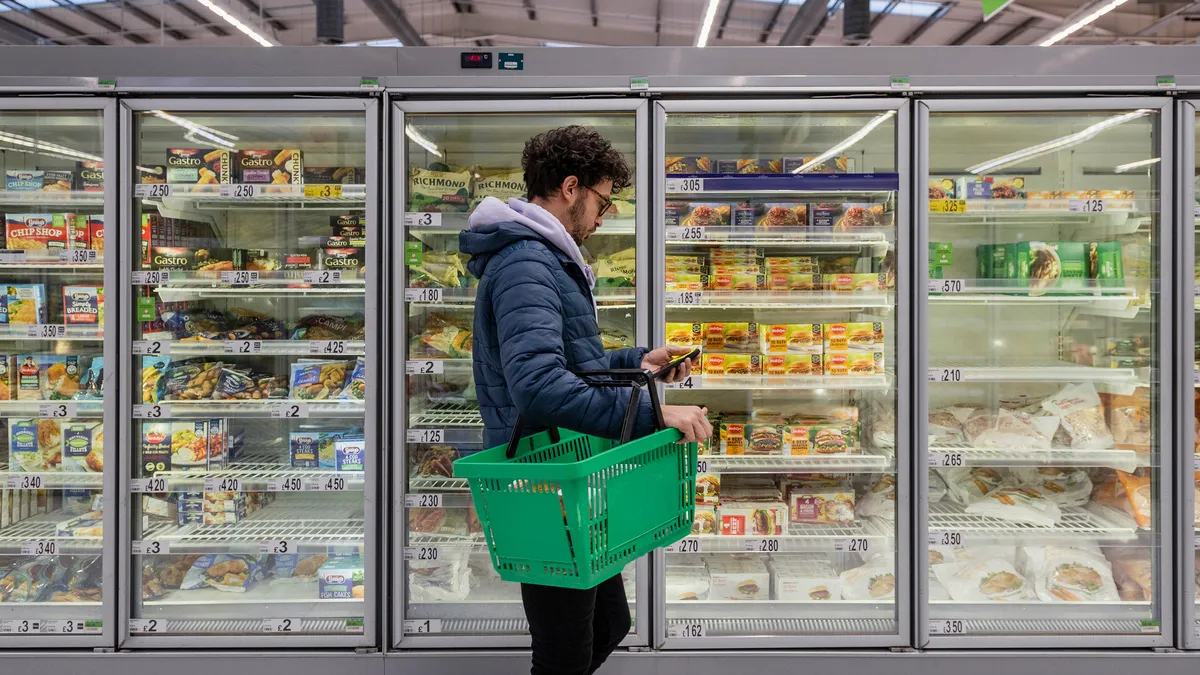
point(574, 150)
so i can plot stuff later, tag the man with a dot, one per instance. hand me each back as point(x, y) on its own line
point(535, 323)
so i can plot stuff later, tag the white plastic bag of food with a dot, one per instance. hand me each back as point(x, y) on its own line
point(1017, 504)
point(1066, 486)
point(444, 580)
point(946, 424)
point(1066, 574)
point(985, 580)
point(1081, 414)
point(965, 484)
point(880, 499)
point(1006, 430)
point(874, 580)
point(937, 487)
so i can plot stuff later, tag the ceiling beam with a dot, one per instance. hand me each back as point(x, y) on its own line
point(725, 19)
point(1016, 30)
point(258, 11)
point(393, 18)
point(1162, 23)
point(476, 26)
point(1078, 14)
point(595, 13)
point(829, 14)
point(39, 15)
point(530, 10)
point(101, 21)
point(769, 27)
point(969, 33)
point(803, 26)
point(147, 17)
point(13, 33)
point(658, 23)
point(891, 7)
point(195, 16)
point(928, 23)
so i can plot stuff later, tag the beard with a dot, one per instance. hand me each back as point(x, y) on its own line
point(576, 225)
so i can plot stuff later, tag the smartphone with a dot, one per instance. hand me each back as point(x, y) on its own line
point(676, 362)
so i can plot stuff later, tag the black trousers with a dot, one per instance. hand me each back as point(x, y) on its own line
point(574, 631)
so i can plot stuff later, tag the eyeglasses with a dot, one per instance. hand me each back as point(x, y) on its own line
point(605, 202)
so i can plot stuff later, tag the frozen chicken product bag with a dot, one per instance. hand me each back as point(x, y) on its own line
point(1065, 574)
point(992, 580)
point(965, 484)
point(1065, 486)
point(874, 580)
point(1082, 415)
point(1006, 429)
point(937, 487)
point(1018, 505)
point(880, 500)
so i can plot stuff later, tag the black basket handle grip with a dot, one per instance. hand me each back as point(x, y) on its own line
point(636, 378)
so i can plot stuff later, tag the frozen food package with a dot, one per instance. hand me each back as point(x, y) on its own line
point(873, 580)
point(1066, 574)
point(982, 581)
point(880, 499)
point(1080, 411)
point(965, 484)
point(297, 568)
point(439, 190)
point(687, 584)
point(945, 425)
point(1065, 486)
point(503, 185)
point(937, 487)
point(1017, 504)
point(1129, 419)
point(1006, 429)
point(705, 520)
point(1139, 495)
point(1133, 573)
point(823, 503)
point(447, 579)
point(224, 573)
point(883, 425)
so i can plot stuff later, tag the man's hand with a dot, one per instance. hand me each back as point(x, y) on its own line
point(658, 358)
point(690, 420)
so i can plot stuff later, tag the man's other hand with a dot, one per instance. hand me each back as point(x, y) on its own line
point(690, 420)
point(660, 357)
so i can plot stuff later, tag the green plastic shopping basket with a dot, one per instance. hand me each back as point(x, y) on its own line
point(560, 508)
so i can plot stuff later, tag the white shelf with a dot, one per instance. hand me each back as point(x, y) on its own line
point(335, 526)
point(464, 298)
point(809, 382)
point(18, 332)
point(255, 477)
point(799, 237)
point(437, 484)
point(55, 480)
point(186, 348)
point(1076, 525)
point(861, 463)
point(453, 223)
point(266, 599)
point(828, 610)
point(1125, 460)
point(800, 537)
point(1116, 300)
point(446, 415)
point(90, 408)
point(977, 370)
point(55, 199)
point(262, 408)
point(43, 527)
point(817, 300)
point(267, 197)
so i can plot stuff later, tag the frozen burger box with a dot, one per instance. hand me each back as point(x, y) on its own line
point(687, 584)
point(736, 580)
point(805, 581)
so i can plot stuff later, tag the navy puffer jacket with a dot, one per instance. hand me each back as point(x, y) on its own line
point(534, 325)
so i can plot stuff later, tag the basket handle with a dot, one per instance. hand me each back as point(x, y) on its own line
point(636, 378)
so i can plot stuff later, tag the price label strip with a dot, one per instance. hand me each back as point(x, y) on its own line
point(852, 545)
point(239, 277)
point(148, 485)
point(327, 347)
point(762, 545)
point(242, 346)
point(689, 382)
point(58, 410)
point(947, 375)
point(946, 539)
point(151, 278)
point(12, 256)
point(282, 625)
point(1086, 206)
point(422, 220)
point(687, 630)
point(290, 411)
point(151, 347)
point(323, 191)
point(292, 484)
point(331, 484)
point(428, 367)
point(226, 484)
point(684, 297)
point(422, 626)
point(425, 435)
point(151, 412)
point(276, 547)
point(685, 234)
point(149, 547)
point(422, 553)
point(320, 277)
point(946, 285)
point(239, 190)
point(147, 626)
point(947, 205)
point(45, 547)
point(47, 331)
point(153, 191)
point(947, 460)
point(78, 256)
point(686, 546)
point(431, 500)
point(71, 626)
point(947, 627)
point(685, 185)
point(422, 295)
point(28, 482)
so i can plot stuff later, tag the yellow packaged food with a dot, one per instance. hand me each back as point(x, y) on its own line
point(737, 282)
point(840, 364)
point(730, 253)
point(733, 436)
point(859, 336)
point(714, 336)
point(790, 337)
point(685, 334)
point(743, 364)
point(796, 439)
point(793, 282)
point(788, 364)
point(739, 336)
point(685, 282)
point(855, 282)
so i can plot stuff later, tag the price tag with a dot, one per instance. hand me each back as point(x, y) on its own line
point(686, 630)
point(1196, 462)
point(148, 485)
point(153, 191)
point(292, 484)
point(683, 297)
point(946, 627)
point(20, 626)
point(702, 465)
point(31, 481)
point(432, 500)
point(151, 412)
point(57, 410)
point(947, 460)
point(853, 545)
point(685, 546)
point(331, 484)
point(290, 411)
point(39, 548)
point(151, 277)
point(239, 277)
point(946, 375)
point(422, 220)
point(685, 185)
point(242, 346)
point(327, 347)
point(323, 191)
point(422, 295)
point(239, 190)
point(422, 553)
point(281, 625)
point(761, 545)
point(46, 331)
point(78, 256)
point(946, 285)
point(689, 382)
point(151, 347)
point(319, 277)
point(66, 626)
point(945, 539)
point(1086, 206)
point(947, 205)
point(422, 626)
point(276, 547)
point(147, 626)
point(430, 367)
point(1196, 543)
point(426, 435)
point(225, 484)
point(685, 234)
point(12, 256)
point(149, 547)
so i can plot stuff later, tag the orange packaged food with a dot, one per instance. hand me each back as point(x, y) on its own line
point(1139, 494)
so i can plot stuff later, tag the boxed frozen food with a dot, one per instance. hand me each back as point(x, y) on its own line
point(789, 281)
point(201, 259)
point(705, 519)
point(943, 188)
point(687, 584)
point(830, 165)
point(89, 525)
point(198, 166)
point(277, 167)
point(991, 187)
point(1017, 504)
point(866, 283)
point(849, 337)
point(731, 431)
point(801, 338)
point(875, 579)
point(37, 231)
point(832, 439)
point(317, 380)
point(792, 364)
point(350, 225)
point(737, 254)
point(731, 336)
point(781, 214)
point(697, 214)
point(764, 439)
point(91, 175)
point(981, 581)
point(439, 190)
point(29, 375)
point(738, 518)
point(737, 281)
point(351, 258)
point(82, 305)
point(54, 180)
point(730, 364)
point(689, 164)
point(804, 580)
point(854, 216)
point(853, 364)
point(819, 504)
point(22, 180)
point(685, 334)
point(25, 303)
point(746, 166)
point(341, 577)
point(1104, 263)
point(349, 453)
point(325, 175)
point(739, 580)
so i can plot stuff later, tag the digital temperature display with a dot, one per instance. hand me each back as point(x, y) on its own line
point(476, 59)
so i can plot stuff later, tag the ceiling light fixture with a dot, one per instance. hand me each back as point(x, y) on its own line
point(1135, 165)
point(196, 131)
point(849, 141)
point(419, 138)
point(236, 23)
point(1057, 144)
point(42, 147)
point(710, 13)
point(1108, 7)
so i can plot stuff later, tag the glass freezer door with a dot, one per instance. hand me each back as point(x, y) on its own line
point(782, 227)
point(251, 241)
point(1043, 337)
point(450, 159)
point(1189, 385)
point(56, 572)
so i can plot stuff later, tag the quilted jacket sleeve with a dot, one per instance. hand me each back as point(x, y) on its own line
point(528, 310)
point(626, 358)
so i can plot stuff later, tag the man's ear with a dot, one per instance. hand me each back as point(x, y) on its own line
point(570, 189)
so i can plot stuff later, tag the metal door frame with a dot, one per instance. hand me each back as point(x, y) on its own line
point(1165, 579)
point(904, 495)
point(1185, 391)
point(370, 108)
point(397, 198)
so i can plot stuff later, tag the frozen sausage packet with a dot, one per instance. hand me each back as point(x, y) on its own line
point(1066, 574)
point(1081, 414)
